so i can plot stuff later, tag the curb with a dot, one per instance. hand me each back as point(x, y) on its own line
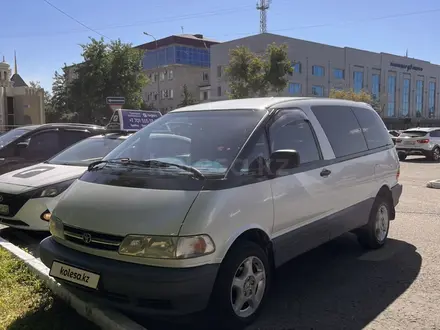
point(434, 184)
point(104, 318)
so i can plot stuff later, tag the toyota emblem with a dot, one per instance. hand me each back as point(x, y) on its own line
point(87, 238)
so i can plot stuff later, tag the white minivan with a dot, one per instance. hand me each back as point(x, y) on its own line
point(199, 216)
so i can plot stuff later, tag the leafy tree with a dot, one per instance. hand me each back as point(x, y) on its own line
point(187, 97)
point(349, 94)
point(251, 75)
point(108, 69)
point(147, 106)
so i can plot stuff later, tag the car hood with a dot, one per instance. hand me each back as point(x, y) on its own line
point(38, 176)
point(121, 210)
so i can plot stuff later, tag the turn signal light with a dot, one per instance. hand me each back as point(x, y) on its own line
point(398, 173)
point(423, 141)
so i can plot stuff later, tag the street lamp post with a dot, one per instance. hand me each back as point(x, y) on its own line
point(157, 68)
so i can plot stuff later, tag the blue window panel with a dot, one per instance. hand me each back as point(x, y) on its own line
point(317, 71)
point(358, 81)
point(296, 67)
point(405, 97)
point(317, 90)
point(419, 97)
point(338, 73)
point(431, 99)
point(391, 110)
point(294, 89)
point(375, 88)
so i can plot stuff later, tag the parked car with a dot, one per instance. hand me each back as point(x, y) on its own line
point(394, 134)
point(33, 144)
point(175, 224)
point(28, 195)
point(419, 141)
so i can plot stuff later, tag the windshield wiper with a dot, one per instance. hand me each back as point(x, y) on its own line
point(157, 163)
point(92, 165)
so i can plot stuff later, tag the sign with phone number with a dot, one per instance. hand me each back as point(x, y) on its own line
point(136, 120)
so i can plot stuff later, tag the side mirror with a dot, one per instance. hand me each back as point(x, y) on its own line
point(22, 145)
point(283, 160)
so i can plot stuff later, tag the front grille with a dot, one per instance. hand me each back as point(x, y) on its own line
point(15, 203)
point(92, 239)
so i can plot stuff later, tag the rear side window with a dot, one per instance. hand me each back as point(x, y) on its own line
point(373, 127)
point(413, 133)
point(71, 136)
point(342, 129)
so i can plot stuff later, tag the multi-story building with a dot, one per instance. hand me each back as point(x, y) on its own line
point(405, 87)
point(175, 61)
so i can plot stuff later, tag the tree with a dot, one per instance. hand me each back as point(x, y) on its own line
point(349, 94)
point(187, 97)
point(108, 69)
point(251, 75)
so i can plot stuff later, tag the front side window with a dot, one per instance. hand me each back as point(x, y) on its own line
point(341, 128)
point(86, 151)
point(42, 145)
point(289, 132)
point(12, 135)
point(206, 140)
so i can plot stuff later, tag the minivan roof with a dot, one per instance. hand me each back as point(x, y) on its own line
point(259, 103)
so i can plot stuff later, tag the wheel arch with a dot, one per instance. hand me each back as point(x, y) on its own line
point(385, 192)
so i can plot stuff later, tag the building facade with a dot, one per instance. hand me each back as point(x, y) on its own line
point(19, 103)
point(405, 87)
point(175, 61)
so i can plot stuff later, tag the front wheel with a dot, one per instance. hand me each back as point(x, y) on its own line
point(241, 286)
point(374, 234)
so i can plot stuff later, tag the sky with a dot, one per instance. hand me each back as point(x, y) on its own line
point(44, 38)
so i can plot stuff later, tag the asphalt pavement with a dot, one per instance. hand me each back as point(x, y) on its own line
point(341, 286)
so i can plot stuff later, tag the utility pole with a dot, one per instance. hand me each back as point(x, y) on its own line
point(157, 68)
point(263, 7)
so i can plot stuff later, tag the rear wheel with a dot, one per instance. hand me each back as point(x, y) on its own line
point(241, 286)
point(402, 156)
point(435, 154)
point(374, 234)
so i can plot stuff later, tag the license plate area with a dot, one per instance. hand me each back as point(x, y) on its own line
point(4, 209)
point(409, 143)
point(74, 274)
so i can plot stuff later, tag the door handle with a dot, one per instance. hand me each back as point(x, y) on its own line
point(325, 172)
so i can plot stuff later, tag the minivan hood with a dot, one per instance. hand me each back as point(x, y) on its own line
point(121, 210)
point(41, 175)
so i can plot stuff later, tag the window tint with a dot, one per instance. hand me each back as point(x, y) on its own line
point(342, 129)
point(289, 132)
point(43, 145)
point(257, 156)
point(71, 137)
point(373, 127)
point(413, 133)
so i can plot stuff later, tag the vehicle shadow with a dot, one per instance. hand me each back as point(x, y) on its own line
point(28, 240)
point(422, 160)
point(336, 286)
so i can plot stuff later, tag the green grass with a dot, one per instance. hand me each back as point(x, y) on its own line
point(27, 304)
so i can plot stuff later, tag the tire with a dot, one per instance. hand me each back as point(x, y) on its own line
point(435, 154)
point(225, 293)
point(374, 234)
point(402, 156)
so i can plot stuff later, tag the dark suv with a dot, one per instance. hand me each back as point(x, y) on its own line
point(28, 145)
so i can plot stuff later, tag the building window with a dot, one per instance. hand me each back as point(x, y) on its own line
point(358, 81)
point(205, 76)
point(296, 68)
point(176, 55)
point(391, 96)
point(162, 76)
point(317, 91)
point(431, 100)
point(405, 96)
point(294, 88)
point(155, 77)
point(419, 97)
point(318, 71)
point(219, 71)
point(205, 95)
point(171, 94)
point(338, 73)
point(219, 91)
point(170, 75)
point(375, 86)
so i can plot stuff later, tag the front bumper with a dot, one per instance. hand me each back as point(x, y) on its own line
point(396, 192)
point(28, 216)
point(137, 288)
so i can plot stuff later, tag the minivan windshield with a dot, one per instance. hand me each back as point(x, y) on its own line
point(206, 140)
point(86, 151)
point(12, 135)
point(413, 133)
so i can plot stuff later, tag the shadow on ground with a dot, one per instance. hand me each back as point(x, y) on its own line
point(336, 286)
point(56, 316)
point(24, 239)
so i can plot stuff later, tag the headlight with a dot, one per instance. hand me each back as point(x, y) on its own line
point(56, 227)
point(166, 247)
point(52, 190)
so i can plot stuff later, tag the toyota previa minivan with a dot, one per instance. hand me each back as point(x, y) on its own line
point(196, 210)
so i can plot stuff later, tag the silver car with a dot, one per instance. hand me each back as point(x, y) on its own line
point(419, 141)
